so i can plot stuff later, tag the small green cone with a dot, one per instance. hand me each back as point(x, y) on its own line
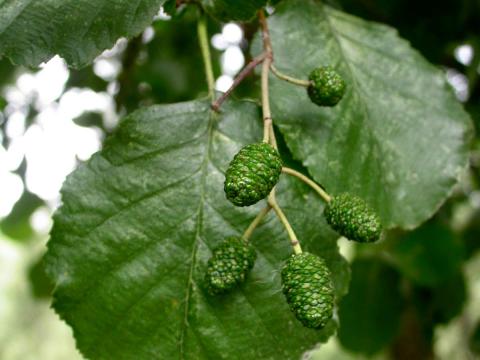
point(229, 265)
point(252, 174)
point(308, 287)
point(351, 217)
point(327, 86)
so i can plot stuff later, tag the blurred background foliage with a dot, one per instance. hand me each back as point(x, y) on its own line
point(415, 295)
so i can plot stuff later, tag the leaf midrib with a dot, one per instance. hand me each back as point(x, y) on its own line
point(204, 172)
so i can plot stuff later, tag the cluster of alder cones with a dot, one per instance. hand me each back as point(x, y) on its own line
point(251, 176)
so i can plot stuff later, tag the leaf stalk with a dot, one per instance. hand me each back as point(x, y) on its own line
point(254, 224)
point(290, 79)
point(297, 249)
point(323, 194)
point(238, 79)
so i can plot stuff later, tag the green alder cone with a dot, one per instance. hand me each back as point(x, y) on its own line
point(229, 265)
point(252, 174)
point(327, 86)
point(307, 285)
point(353, 218)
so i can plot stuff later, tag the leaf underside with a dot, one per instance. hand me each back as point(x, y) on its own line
point(33, 31)
point(129, 246)
point(399, 136)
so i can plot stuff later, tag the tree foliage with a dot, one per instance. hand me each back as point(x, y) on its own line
point(138, 222)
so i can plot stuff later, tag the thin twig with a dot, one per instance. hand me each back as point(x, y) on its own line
point(273, 139)
point(238, 79)
point(129, 60)
point(292, 80)
point(309, 182)
point(256, 222)
point(297, 249)
point(268, 133)
point(267, 45)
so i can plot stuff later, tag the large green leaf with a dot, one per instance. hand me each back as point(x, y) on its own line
point(129, 245)
point(370, 313)
point(33, 31)
point(398, 138)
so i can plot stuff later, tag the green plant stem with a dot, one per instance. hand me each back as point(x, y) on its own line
point(268, 133)
point(267, 116)
point(292, 80)
point(323, 194)
point(207, 59)
point(273, 139)
point(258, 219)
point(297, 249)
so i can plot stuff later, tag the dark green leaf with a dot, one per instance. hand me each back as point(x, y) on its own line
point(17, 224)
point(170, 7)
point(475, 340)
point(3, 103)
point(471, 236)
point(7, 72)
point(429, 255)
point(130, 244)
point(370, 313)
point(86, 77)
point(440, 304)
point(32, 32)
point(89, 119)
point(397, 138)
point(40, 284)
point(449, 298)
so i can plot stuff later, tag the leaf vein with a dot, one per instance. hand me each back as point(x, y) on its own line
point(204, 170)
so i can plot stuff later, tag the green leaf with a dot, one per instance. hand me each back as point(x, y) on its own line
point(3, 103)
point(471, 235)
point(7, 73)
point(428, 256)
point(17, 224)
point(170, 7)
point(129, 246)
point(397, 138)
point(89, 118)
point(40, 285)
point(474, 343)
point(33, 31)
point(370, 313)
point(442, 303)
